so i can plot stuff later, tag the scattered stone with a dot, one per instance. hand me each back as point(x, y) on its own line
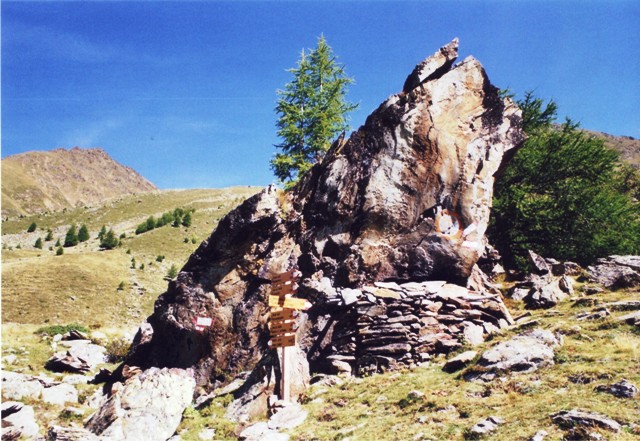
point(524, 353)
point(615, 272)
point(75, 379)
point(630, 319)
point(67, 363)
point(571, 418)
point(350, 296)
point(148, 407)
point(262, 432)
point(9, 359)
point(85, 350)
point(288, 417)
point(74, 334)
point(60, 394)
point(539, 436)
point(486, 426)
point(626, 305)
point(597, 314)
point(473, 334)
point(538, 264)
point(621, 389)
point(58, 433)
point(207, 434)
point(21, 417)
point(459, 362)
point(16, 386)
point(591, 290)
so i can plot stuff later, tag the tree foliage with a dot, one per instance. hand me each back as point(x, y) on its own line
point(311, 110)
point(32, 227)
point(564, 195)
point(71, 238)
point(83, 233)
point(109, 241)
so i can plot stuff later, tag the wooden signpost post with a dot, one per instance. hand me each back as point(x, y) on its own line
point(283, 326)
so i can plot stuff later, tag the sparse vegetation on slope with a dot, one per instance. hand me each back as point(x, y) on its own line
point(81, 283)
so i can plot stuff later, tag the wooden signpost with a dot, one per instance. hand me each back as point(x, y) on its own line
point(283, 326)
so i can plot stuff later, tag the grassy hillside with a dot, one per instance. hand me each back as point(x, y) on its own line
point(82, 285)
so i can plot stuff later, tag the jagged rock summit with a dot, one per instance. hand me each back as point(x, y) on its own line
point(386, 231)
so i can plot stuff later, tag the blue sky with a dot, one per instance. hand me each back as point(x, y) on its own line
point(184, 92)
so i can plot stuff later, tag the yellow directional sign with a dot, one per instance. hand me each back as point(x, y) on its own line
point(281, 341)
point(276, 301)
point(284, 277)
point(294, 303)
point(278, 328)
point(284, 314)
point(281, 290)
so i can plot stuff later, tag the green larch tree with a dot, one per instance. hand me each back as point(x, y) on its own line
point(312, 109)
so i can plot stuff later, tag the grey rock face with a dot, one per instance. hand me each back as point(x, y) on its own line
point(572, 418)
point(16, 386)
point(21, 418)
point(487, 426)
point(148, 407)
point(459, 361)
point(616, 272)
point(621, 389)
point(524, 353)
point(405, 199)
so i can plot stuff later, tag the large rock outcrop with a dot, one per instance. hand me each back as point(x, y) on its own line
point(404, 201)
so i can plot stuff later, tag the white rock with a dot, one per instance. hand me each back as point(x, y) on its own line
point(17, 386)
point(23, 418)
point(60, 394)
point(288, 417)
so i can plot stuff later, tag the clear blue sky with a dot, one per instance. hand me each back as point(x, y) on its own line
point(184, 92)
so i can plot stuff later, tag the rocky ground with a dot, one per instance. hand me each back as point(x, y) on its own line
point(564, 371)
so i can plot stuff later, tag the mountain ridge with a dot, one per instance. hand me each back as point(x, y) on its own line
point(39, 181)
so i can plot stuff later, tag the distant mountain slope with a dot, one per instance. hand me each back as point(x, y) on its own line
point(35, 182)
point(627, 146)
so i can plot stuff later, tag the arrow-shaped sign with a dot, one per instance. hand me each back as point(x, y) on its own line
point(284, 314)
point(281, 289)
point(287, 276)
point(278, 328)
point(282, 341)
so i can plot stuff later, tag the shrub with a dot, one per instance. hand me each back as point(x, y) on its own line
point(562, 196)
point(159, 258)
point(117, 350)
point(32, 227)
point(173, 272)
point(61, 329)
point(59, 251)
point(121, 286)
point(109, 241)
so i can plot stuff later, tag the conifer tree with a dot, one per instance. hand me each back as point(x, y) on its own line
point(564, 195)
point(71, 238)
point(49, 235)
point(311, 110)
point(38, 243)
point(32, 227)
point(83, 233)
point(109, 241)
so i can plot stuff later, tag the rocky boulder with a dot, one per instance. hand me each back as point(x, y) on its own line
point(524, 353)
point(615, 272)
point(405, 199)
point(148, 407)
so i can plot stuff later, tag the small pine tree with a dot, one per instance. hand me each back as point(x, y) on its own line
point(186, 220)
point(110, 241)
point(173, 272)
point(71, 239)
point(311, 111)
point(57, 243)
point(102, 233)
point(38, 243)
point(83, 234)
point(32, 227)
point(49, 235)
point(59, 251)
point(121, 286)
